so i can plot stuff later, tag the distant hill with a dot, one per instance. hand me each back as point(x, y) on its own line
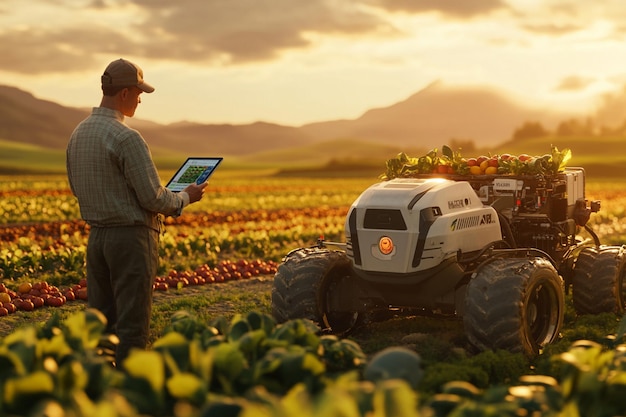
point(427, 119)
point(23, 158)
point(222, 139)
point(437, 114)
point(357, 151)
point(603, 156)
point(26, 119)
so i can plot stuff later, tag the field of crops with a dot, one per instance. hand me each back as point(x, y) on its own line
point(243, 219)
point(245, 224)
point(240, 218)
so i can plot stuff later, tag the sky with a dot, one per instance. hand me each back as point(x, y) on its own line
point(294, 62)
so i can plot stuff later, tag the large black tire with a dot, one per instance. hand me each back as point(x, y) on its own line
point(514, 304)
point(302, 284)
point(599, 279)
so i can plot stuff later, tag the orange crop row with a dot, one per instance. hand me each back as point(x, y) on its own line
point(56, 229)
point(226, 270)
point(28, 296)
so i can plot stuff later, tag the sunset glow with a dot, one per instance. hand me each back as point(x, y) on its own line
point(300, 61)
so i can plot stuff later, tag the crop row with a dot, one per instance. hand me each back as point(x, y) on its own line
point(191, 240)
point(28, 296)
point(27, 205)
point(58, 229)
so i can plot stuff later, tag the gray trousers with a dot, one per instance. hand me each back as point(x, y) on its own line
point(121, 267)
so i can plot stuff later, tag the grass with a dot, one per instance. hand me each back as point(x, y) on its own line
point(208, 302)
point(213, 301)
point(602, 156)
point(18, 158)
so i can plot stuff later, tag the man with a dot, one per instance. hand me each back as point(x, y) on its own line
point(111, 172)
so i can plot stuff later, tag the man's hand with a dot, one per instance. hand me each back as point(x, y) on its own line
point(195, 191)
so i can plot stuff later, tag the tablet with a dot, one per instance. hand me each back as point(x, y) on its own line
point(197, 169)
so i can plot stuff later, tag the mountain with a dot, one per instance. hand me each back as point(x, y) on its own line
point(223, 139)
point(426, 119)
point(26, 119)
point(437, 114)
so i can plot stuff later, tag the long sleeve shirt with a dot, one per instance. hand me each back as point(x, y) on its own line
point(111, 172)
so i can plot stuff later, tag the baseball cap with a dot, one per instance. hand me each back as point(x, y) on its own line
point(122, 72)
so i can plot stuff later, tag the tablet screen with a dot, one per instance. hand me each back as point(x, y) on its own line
point(197, 170)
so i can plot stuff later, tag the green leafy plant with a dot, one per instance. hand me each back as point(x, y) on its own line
point(249, 365)
point(452, 162)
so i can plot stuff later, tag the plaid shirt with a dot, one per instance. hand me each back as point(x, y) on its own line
point(111, 172)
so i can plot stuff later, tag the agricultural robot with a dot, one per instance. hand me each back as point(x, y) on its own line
point(497, 251)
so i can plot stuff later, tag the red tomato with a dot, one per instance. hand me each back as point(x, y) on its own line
point(27, 305)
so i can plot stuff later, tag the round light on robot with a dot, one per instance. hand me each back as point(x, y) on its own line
point(385, 245)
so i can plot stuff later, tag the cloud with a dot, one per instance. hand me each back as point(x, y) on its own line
point(35, 52)
point(455, 8)
point(216, 31)
point(72, 35)
point(563, 17)
point(247, 30)
point(574, 83)
point(552, 29)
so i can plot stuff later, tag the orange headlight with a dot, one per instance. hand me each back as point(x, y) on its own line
point(385, 245)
